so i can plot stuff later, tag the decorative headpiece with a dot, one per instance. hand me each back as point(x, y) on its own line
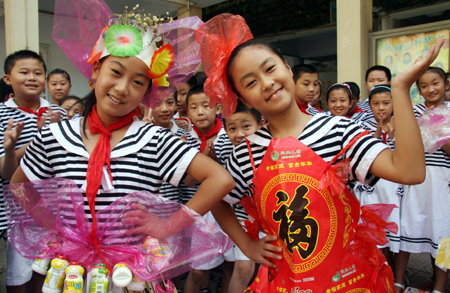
point(78, 24)
point(342, 85)
point(218, 38)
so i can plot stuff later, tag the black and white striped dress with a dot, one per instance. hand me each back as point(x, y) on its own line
point(385, 192)
point(325, 135)
point(365, 106)
point(147, 156)
point(425, 218)
point(312, 111)
point(8, 110)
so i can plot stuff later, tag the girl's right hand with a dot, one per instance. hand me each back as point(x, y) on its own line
point(261, 251)
point(183, 124)
point(408, 76)
point(379, 130)
point(11, 135)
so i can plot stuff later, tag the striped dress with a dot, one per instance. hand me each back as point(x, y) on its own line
point(425, 218)
point(385, 192)
point(323, 134)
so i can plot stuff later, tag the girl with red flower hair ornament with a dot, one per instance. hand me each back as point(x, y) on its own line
point(286, 176)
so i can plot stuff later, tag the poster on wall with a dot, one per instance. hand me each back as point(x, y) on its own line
point(399, 53)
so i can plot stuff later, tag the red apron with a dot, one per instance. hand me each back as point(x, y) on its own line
point(314, 227)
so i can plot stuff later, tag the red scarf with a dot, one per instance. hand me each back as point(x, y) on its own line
point(216, 129)
point(99, 157)
point(39, 112)
point(384, 134)
point(356, 110)
point(303, 107)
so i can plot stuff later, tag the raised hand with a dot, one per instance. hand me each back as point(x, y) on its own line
point(391, 128)
point(11, 135)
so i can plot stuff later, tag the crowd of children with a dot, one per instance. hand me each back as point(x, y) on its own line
point(183, 150)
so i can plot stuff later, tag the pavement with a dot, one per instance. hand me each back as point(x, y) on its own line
point(418, 272)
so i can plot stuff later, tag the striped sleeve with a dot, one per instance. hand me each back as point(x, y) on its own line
point(173, 157)
point(2, 135)
point(35, 163)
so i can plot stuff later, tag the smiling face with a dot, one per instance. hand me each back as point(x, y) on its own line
point(306, 87)
point(71, 107)
point(163, 113)
point(201, 114)
point(339, 102)
point(382, 107)
point(58, 87)
point(240, 125)
point(27, 78)
point(263, 80)
point(120, 85)
point(375, 78)
point(432, 88)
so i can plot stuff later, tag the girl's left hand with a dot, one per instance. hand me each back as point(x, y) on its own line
point(379, 130)
point(144, 221)
point(391, 128)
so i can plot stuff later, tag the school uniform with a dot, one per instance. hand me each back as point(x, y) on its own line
point(325, 135)
point(221, 146)
point(424, 217)
point(385, 192)
point(312, 111)
point(365, 106)
point(18, 270)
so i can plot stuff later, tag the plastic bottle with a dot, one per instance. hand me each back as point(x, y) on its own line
point(74, 278)
point(159, 253)
point(136, 284)
point(41, 265)
point(55, 277)
point(99, 281)
point(122, 275)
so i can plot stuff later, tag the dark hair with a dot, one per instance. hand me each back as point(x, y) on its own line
point(5, 90)
point(381, 88)
point(58, 71)
point(90, 100)
point(339, 86)
point(436, 70)
point(239, 48)
point(447, 75)
point(242, 108)
point(197, 78)
point(298, 70)
point(355, 89)
point(66, 98)
point(380, 68)
point(10, 61)
point(195, 90)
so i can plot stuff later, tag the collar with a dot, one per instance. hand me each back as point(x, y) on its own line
point(11, 103)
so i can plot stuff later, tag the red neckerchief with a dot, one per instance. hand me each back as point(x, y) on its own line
point(99, 156)
point(217, 127)
point(384, 134)
point(39, 112)
point(302, 107)
point(356, 110)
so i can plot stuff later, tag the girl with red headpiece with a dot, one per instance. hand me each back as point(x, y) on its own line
point(283, 167)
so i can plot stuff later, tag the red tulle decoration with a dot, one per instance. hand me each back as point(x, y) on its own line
point(218, 37)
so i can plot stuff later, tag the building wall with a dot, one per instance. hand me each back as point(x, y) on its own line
point(56, 57)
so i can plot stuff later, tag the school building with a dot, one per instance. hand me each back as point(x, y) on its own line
point(341, 37)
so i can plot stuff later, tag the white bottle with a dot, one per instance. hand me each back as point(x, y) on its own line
point(136, 285)
point(55, 277)
point(41, 265)
point(74, 282)
point(122, 275)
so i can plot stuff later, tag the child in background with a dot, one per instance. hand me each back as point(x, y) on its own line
point(306, 78)
point(72, 105)
point(21, 117)
point(182, 117)
point(425, 217)
point(447, 92)
point(355, 113)
point(386, 192)
point(339, 99)
point(375, 75)
point(58, 83)
point(242, 123)
point(316, 102)
point(261, 78)
point(151, 152)
point(208, 136)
